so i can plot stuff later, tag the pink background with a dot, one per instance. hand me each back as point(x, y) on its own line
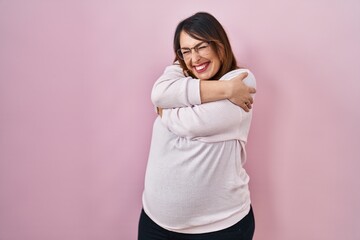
point(76, 116)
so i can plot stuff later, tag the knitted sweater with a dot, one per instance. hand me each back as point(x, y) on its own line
point(195, 181)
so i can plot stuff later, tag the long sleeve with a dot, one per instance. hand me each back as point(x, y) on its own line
point(173, 89)
point(214, 121)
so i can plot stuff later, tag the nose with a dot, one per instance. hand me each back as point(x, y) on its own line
point(195, 56)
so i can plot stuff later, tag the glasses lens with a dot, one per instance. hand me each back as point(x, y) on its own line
point(202, 49)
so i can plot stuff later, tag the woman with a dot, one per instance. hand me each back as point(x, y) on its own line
point(195, 184)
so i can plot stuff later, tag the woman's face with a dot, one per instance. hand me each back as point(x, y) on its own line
point(199, 57)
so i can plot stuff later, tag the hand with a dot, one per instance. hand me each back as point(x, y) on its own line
point(159, 111)
point(239, 93)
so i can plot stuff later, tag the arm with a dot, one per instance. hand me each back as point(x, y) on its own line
point(210, 122)
point(234, 90)
point(173, 89)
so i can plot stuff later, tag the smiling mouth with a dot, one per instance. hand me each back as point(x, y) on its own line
point(202, 67)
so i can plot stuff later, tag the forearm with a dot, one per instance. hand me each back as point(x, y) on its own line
point(174, 90)
point(212, 90)
point(218, 120)
point(184, 91)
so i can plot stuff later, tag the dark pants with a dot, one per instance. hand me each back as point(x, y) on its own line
point(243, 230)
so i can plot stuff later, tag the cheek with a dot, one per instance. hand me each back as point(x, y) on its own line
point(217, 64)
point(215, 59)
point(187, 63)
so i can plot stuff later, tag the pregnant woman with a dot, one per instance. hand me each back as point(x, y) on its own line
point(195, 183)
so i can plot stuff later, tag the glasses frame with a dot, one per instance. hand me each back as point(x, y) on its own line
point(196, 49)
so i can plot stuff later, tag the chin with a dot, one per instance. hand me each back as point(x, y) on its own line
point(204, 76)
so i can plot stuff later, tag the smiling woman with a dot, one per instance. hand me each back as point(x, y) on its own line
point(195, 184)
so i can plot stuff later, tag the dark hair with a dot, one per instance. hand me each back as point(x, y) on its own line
point(205, 27)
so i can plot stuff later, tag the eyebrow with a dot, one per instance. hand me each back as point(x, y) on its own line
point(194, 46)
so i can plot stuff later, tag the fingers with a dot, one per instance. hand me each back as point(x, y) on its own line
point(243, 75)
point(248, 105)
point(251, 100)
point(245, 107)
point(159, 111)
point(252, 90)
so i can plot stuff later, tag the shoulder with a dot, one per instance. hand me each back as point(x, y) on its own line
point(172, 71)
point(249, 80)
point(174, 67)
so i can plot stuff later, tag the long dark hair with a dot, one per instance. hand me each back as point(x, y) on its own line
point(205, 27)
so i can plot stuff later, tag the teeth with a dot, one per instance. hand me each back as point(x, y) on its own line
point(200, 67)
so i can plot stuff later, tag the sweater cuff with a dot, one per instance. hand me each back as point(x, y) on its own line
point(194, 92)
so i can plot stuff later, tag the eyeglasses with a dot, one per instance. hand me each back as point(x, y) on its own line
point(202, 49)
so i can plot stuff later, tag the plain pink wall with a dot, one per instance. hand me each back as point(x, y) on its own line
point(76, 116)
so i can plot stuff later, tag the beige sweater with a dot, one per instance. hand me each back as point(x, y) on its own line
point(195, 181)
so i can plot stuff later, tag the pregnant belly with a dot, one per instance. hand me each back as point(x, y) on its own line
point(183, 198)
